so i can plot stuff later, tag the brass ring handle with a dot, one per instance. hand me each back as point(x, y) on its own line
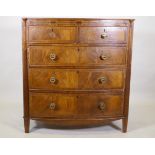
point(53, 80)
point(104, 35)
point(103, 57)
point(102, 80)
point(52, 56)
point(102, 106)
point(52, 106)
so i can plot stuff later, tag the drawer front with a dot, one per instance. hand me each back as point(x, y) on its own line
point(75, 79)
point(103, 34)
point(47, 105)
point(102, 56)
point(101, 79)
point(48, 34)
point(52, 79)
point(53, 55)
point(63, 105)
point(76, 56)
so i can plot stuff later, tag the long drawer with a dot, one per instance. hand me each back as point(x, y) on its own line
point(70, 105)
point(40, 78)
point(76, 56)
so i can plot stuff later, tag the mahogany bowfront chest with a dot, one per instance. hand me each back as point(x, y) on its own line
point(76, 72)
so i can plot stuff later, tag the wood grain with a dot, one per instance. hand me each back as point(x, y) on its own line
point(93, 34)
point(76, 79)
point(75, 105)
point(76, 56)
point(48, 34)
point(40, 55)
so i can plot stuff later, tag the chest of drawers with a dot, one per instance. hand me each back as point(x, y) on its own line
point(76, 72)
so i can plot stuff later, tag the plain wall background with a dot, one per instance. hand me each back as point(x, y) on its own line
point(10, 60)
point(143, 61)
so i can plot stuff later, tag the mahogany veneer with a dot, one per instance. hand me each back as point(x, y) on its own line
point(76, 72)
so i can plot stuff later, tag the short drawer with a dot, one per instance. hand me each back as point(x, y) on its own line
point(103, 34)
point(49, 34)
point(75, 79)
point(81, 105)
point(76, 56)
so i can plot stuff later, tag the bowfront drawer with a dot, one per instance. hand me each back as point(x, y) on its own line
point(76, 79)
point(65, 105)
point(76, 56)
point(103, 34)
point(49, 34)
